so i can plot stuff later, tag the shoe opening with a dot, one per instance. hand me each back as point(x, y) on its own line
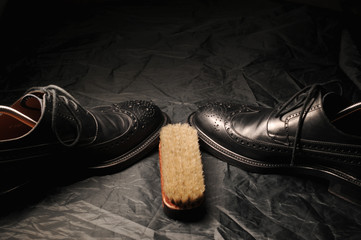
point(344, 116)
point(20, 118)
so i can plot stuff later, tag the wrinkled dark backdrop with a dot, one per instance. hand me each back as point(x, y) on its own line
point(178, 54)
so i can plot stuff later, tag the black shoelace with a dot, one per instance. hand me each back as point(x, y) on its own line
point(304, 98)
point(58, 94)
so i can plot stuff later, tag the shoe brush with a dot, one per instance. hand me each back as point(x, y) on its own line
point(181, 172)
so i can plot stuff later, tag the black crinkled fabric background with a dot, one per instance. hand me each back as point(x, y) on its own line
point(179, 54)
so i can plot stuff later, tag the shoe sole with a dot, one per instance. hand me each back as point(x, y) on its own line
point(132, 156)
point(340, 184)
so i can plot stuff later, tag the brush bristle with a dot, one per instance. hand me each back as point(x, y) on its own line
point(182, 170)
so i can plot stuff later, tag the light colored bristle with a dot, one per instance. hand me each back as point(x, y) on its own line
point(182, 170)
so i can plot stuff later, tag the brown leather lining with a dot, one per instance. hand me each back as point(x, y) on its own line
point(12, 127)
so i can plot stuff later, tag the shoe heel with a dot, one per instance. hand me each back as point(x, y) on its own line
point(346, 191)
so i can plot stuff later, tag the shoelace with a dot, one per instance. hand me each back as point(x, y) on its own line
point(53, 91)
point(304, 98)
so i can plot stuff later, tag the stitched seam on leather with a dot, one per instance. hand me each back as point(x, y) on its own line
point(244, 160)
point(115, 142)
point(233, 155)
point(287, 130)
point(255, 144)
point(346, 150)
point(138, 149)
point(263, 147)
point(337, 148)
point(318, 106)
point(268, 165)
point(304, 147)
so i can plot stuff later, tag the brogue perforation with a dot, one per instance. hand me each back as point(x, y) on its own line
point(67, 136)
point(312, 133)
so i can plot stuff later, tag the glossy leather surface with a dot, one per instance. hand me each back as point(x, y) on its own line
point(69, 136)
point(122, 127)
point(260, 140)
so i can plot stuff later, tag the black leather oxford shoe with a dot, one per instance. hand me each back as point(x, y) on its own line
point(316, 132)
point(47, 130)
